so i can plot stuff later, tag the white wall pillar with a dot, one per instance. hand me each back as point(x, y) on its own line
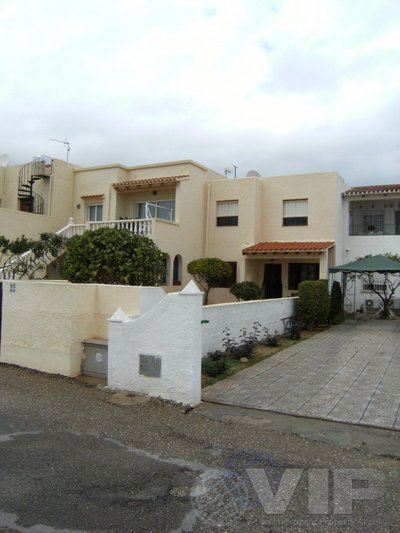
point(159, 352)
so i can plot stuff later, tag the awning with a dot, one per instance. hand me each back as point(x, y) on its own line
point(376, 263)
point(147, 183)
point(275, 247)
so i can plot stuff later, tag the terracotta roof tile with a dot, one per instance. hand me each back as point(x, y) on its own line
point(372, 189)
point(288, 246)
point(136, 184)
point(92, 196)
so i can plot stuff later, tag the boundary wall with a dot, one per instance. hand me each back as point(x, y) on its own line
point(155, 340)
point(43, 323)
point(239, 315)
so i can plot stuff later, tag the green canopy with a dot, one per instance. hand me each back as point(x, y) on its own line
point(376, 263)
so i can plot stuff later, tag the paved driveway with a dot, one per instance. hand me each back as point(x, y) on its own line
point(349, 373)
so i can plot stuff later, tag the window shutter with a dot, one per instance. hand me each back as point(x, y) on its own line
point(227, 209)
point(295, 208)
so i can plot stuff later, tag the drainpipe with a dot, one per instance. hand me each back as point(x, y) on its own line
point(207, 220)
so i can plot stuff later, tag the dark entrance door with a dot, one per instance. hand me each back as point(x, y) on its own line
point(273, 280)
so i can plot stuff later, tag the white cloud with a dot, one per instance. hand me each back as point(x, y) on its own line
point(280, 85)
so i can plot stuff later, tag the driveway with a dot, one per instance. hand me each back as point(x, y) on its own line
point(348, 373)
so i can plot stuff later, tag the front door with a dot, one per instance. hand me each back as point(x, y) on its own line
point(273, 280)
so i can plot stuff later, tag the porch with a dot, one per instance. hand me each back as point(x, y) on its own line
point(279, 267)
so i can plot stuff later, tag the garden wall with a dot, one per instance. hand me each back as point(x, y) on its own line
point(43, 323)
point(240, 315)
point(159, 352)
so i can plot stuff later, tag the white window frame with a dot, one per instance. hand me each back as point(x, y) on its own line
point(96, 205)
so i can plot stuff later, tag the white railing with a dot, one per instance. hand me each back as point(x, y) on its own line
point(140, 226)
point(71, 229)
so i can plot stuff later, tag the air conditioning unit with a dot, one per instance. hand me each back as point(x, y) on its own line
point(371, 306)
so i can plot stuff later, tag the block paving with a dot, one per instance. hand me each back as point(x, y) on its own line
point(348, 373)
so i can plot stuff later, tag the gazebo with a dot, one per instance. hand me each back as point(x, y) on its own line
point(365, 269)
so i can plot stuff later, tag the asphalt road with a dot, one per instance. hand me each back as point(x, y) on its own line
point(79, 458)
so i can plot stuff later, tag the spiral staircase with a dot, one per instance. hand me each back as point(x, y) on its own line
point(39, 168)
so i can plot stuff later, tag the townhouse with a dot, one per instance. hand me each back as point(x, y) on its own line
point(277, 231)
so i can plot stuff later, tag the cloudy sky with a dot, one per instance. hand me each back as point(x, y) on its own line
point(280, 86)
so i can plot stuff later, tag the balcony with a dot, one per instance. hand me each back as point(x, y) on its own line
point(363, 230)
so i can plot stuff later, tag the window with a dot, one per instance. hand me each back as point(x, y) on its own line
point(295, 212)
point(299, 272)
point(177, 270)
point(95, 213)
point(373, 223)
point(227, 213)
point(380, 287)
point(161, 209)
point(232, 278)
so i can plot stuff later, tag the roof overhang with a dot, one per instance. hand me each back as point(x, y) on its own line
point(148, 183)
point(369, 190)
point(288, 247)
point(89, 197)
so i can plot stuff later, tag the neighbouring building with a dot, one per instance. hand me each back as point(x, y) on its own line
point(277, 231)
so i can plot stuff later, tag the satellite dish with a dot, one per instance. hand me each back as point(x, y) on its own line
point(4, 160)
point(253, 174)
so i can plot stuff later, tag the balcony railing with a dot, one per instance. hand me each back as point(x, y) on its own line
point(140, 226)
point(137, 226)
point(381, 229)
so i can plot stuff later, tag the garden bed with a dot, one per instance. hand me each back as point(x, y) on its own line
point(256, 355)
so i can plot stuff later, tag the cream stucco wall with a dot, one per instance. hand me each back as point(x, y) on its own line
point(44, 323)
point(227, 242)
point(14, 223)
point(322, 192)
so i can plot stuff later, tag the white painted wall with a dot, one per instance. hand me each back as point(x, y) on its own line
point(242, 315)
point(171, 330)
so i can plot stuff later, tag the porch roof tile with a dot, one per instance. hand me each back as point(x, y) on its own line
point(147, 182)
point(92, 197)
point(373, 189)
point(288, 246)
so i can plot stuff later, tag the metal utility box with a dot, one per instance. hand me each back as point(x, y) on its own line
point(95, 358)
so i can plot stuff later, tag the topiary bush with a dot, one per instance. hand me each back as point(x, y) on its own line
point(336, 303)
point(313, 303)
point(246, 290)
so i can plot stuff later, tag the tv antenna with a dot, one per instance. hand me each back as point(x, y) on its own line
point(65, 143)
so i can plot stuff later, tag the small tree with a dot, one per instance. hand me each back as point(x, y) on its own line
point(246, 290)
point(313, 302)
point(209, 273)
point(113, 256)
point(390, 284)
point(336, 303)
point(28, 258)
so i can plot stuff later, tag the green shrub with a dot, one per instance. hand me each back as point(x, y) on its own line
point(113, 256)
point(246, 290)
point(313, 303)
point(214, 363)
